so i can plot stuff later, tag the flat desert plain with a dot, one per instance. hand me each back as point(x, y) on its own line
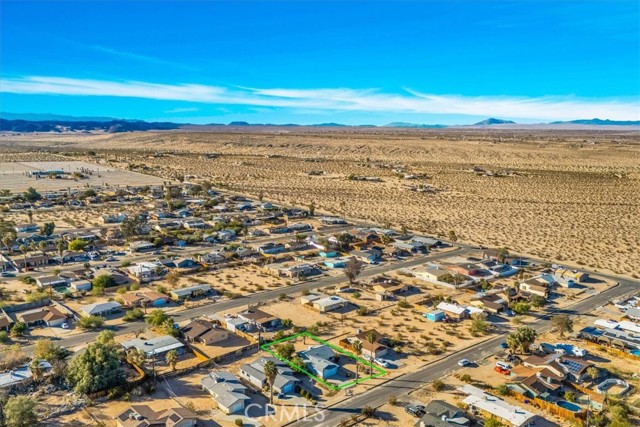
point(572, 196)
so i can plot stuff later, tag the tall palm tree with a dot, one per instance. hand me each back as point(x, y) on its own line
point(60, 247)
point(42, 246)
point(172, 358)
point(24, 249)
point(270, 371)
point(36, 369)
point(357, 348)
point(371, 339)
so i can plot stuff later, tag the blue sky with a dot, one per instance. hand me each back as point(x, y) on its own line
point(352, 62)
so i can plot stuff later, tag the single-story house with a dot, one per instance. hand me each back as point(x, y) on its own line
point(194, 224)
point(260, 319)
point(227, 390)
point(337, 262)
point(47, 315)
point(284, 382)
point(51, 281)
point(80, 285)
point(144, 299)
point(212, 258)
point(155, 347)
point(190, 292)
point(147, 271)
point(204, 331)
point(489, 405)
point(329, 303)
point(103, 309)
point(377, 349)
point(26, 228)
point(320, 360)
point(432, 274)
point(535, 286)
point(370, 256)
point(271, 248)
point(386, 285)
point(144, 416)
point(299, 270)
point(31, 260)
point(453, 311)
point(439, 413)
point(141, 246)
point(328, 254)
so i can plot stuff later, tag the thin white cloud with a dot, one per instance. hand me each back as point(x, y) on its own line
point(182, 110)
point(337, 99)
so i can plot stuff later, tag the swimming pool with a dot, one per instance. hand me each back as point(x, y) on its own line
point(635, 352)
point(568, 406)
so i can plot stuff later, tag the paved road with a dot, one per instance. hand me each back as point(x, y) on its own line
point(411, 381)
point(222, 306)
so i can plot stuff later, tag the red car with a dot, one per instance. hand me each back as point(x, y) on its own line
point(502, 370)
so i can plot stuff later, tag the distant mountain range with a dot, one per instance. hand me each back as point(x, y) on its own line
point(492, 121)
point(32, 122)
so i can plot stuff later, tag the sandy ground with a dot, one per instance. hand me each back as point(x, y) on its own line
point(565, 195)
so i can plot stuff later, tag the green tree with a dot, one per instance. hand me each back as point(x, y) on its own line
point(91, 322)
point(47, 229)
point(45, 349)
point(562, 324)
point(538, 301)
point(371, 339)
point(106, 337)
point(522, 339)
point(133, 314)
point(479, 325)
point(104, 281)
point(172, 358)
point(157, 318)
point(502, 254)
point(285, 350)
point(31, 195)
point(520, 307)
point(18, 329)
point(36, 369)
point(357, 349)
point(270, 371)
point(20, 411)
point(97, 368)
point(453, 236)
point(132, 226)
point(77, 245)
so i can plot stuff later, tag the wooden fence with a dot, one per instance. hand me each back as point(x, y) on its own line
point(551, 407)
point(612, 350)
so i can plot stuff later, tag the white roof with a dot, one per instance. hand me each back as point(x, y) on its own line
point(608, 324)
point(498, 407)
point(629, 326)
point(451, 308)
point(329, 301)
point(100, 307)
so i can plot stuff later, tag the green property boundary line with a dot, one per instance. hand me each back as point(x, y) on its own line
point(379, 371)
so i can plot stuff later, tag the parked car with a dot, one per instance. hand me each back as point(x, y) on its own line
point(7, 274)
point(503, 365)
point(464, 362)
point(65, 326)
point(502, 371)
point(381, 362)
point(414, 410)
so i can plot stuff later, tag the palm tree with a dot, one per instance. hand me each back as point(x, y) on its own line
point(270, 371)
point(36, 369)
point(357, 348)
point(42, 246)
point(60, 247)
point(371, 339)
point(172, 358)
point(24, 250)
point(7, 240)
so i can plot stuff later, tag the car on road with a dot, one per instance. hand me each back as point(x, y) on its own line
point(464, 362)
point(381, 362)
point(65, 326)
point(110, 259)
point(504, 345)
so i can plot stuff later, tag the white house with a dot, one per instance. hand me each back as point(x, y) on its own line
point(227, 390)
